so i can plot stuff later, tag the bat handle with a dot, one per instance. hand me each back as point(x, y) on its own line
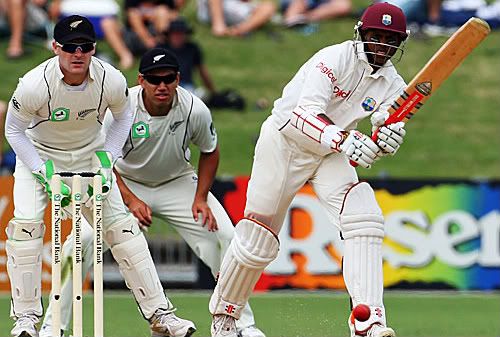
point(374, 138)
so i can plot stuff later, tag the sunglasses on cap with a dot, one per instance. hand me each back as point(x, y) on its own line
point(156, 80)
point(73, 47)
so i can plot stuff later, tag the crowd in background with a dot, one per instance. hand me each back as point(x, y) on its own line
point(144, 24)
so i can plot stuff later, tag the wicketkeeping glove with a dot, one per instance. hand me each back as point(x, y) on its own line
point(360, 148)
point(44, 176)
point(103, 162)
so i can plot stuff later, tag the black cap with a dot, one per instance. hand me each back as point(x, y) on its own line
point(158, 58)
point(180, 25)
point(72, 28)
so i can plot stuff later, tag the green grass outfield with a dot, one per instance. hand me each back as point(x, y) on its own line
point(454, 135)
point(311, 314)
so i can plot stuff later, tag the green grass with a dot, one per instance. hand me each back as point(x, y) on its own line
point(454, 135)
point(314, 314)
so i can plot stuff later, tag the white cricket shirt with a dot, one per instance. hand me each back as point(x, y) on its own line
point(64, 118)
point(338, 83)
point(157, 148)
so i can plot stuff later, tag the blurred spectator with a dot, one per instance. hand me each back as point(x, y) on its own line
point(235, 17)
point(442, 18)
point(7, 157)
point(23, 16)
point(300, 12)
point(189, 54)
point(146, 21)
point(104, 16)
point(455, 13)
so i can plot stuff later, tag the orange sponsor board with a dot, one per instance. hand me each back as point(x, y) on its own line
point(6, 213)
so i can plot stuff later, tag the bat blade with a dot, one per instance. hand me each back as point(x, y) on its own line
point(438, 69)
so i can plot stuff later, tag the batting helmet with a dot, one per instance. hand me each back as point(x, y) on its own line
point(384, 16)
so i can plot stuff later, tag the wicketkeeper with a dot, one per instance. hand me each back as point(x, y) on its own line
point(54, 123)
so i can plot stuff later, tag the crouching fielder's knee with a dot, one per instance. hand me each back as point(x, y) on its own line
point(130, 250)
point(253, 247)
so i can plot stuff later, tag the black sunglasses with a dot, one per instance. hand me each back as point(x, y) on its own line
point(73, 47)
point(156, 80)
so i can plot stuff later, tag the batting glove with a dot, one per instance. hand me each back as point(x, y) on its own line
point(44, 176)
point(389, 137)
point(360, 149)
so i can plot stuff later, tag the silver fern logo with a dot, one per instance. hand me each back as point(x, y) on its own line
point(158, 58)
point(75, 24)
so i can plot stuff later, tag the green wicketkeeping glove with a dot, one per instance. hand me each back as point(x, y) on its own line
point(103, 162)
point(45, 174)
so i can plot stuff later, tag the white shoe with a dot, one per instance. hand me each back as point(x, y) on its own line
point(46, 331)
point(375, 330)
point(250, 331)
point(378, 330)
point(223, 326)
point(25, 326)
point(166, 324)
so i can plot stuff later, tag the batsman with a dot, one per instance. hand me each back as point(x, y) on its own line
point(54, 123)
point(311, 137)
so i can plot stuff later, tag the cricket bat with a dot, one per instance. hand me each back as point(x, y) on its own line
point(436, 71)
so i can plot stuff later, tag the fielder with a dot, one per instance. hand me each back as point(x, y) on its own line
point(310, 137)
point(155, 176)
point(54, 124)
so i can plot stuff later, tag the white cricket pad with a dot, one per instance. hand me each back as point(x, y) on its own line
point(137, 268)
point(24, 266)
point(361, 214)
point(362, 226)
point(253, 247)
point(122, 230)
point(25, 230)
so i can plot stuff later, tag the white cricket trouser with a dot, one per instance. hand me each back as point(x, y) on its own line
point(281, 167)
point(171, 202)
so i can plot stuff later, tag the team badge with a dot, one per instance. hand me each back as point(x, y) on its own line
point(59, 114)
point(174, 126)
point(158, 58)
point(386, 19)
point(75, 24)
point(369, 104)
point(140, 130)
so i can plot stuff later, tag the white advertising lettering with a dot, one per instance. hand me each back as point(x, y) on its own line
point(418, 240)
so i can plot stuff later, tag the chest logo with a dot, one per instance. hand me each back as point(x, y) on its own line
point(140, 130)
point(83, 113)
point(174, 126)
point(369, 104)
point(59, 114)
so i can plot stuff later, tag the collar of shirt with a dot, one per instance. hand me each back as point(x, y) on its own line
point(92, 71)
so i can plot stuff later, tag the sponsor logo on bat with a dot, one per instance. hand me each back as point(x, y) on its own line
point(425, 88)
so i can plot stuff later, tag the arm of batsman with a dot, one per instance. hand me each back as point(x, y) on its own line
point(389, 137)
point(44, 175)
